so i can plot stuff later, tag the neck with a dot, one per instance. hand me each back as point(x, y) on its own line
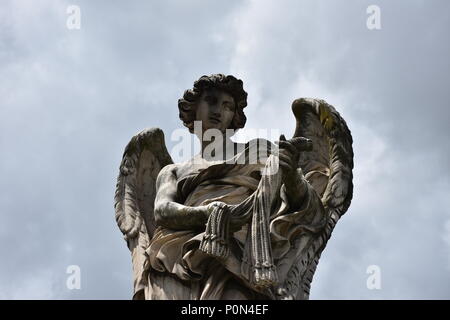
point(218, 148)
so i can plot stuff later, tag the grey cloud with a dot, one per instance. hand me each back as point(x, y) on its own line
point(70, 101)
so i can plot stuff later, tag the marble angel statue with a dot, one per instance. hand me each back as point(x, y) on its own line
point(227, 227)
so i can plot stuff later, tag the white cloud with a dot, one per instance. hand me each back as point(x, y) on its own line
point(36, 285)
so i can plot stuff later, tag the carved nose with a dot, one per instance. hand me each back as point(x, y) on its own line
point(215, 114)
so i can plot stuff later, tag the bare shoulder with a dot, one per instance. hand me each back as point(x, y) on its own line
point(167, 172)
point(171, 173)
point(175, 169)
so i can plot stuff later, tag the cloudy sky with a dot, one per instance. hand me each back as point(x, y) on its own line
point(70, 100)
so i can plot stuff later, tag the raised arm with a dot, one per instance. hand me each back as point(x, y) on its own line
point(295, 184)
point(169, 212)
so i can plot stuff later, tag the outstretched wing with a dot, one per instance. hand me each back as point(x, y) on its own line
point(328, 168)
point(144, 156)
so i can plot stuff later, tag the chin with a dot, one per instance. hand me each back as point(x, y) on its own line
point(215, 126)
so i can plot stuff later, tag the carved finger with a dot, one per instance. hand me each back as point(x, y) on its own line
point(302, 143)
point(289, 146)
point(286, 158)
point(285, 165)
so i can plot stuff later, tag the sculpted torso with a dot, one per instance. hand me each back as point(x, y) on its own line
point(170, 210)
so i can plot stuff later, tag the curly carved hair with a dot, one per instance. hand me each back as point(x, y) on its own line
point(187, 105)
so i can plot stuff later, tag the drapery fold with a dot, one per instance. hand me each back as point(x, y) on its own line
point(208, 264)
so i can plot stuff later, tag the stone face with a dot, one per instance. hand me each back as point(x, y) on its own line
point(238, 221)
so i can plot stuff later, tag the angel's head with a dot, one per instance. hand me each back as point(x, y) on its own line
point(216, 100)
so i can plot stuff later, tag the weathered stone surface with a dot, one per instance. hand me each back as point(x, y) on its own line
point(222, 225)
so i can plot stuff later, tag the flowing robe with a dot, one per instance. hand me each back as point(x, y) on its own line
point(177, 269)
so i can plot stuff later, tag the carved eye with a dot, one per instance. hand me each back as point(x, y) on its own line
point(229, 106)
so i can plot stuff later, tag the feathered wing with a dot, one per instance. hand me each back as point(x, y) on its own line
point(144, 157)
point(328, 168)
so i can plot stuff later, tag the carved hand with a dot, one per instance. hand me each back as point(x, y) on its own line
point(203, 212)
point(288, 157)
point(293, 179)
point(211, 206)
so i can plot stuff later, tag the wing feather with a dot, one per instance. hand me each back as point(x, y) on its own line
point(144, 157)
point(328, 168)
